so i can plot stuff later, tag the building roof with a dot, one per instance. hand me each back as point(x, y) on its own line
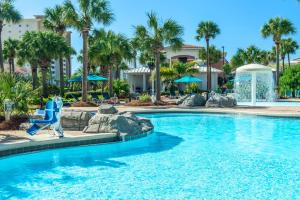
point(187, 46)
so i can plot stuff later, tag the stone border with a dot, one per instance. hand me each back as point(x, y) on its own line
point(34, 146)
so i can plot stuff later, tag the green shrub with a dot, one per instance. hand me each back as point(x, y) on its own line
point(290, 80)
point(121, 88)
point(145, 98)
point(192, 88)
point(18, 90)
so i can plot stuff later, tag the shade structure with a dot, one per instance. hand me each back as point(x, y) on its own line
point(188, 79)
point(91, 77)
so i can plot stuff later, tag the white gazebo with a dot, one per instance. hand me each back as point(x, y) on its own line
point(138, 79)
point(252, 80)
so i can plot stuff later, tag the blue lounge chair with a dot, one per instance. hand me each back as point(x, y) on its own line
point(289, 94)
point(298, 93)
point(49, 118)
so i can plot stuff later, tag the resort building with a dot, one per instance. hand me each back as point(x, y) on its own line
point(295, 61)
point(139, 78)
point(17, 30)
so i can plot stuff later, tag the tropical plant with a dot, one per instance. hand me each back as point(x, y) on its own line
point(56, 20)
point(10, 48)
point(178, 70)
point(207, 30)
point(214, 54)
point(227, 68)
point(276, 28)
point(121, 88)
point(250, 55)
point(17, 90)
point(145, 98)
point(46, 46)
point(111, 49)
point(290, 80)
point(89, 13)
point(290, 47)
point(27, 55)
point(153, 38)
point(8, 13)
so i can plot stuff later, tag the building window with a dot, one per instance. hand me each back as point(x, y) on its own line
point(20, 25)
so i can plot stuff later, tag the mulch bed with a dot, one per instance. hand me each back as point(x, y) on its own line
point(14, 123)
point(84, 104)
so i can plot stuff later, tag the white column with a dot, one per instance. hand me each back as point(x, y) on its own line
point(253, 89)
point(144, 82)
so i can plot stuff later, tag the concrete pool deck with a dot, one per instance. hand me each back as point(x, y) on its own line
point(14, 142)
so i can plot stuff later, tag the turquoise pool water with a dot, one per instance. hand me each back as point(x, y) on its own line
point(189, 156)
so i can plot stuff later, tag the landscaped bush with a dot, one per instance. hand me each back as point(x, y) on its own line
point(16, 89)
point(145, 98)
point(121, 88)
point(192, 88)
point(290, 80)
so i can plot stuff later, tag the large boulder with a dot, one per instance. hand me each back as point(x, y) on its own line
point(121, 123)
point(219, 101)
point(75, 120)
point(193, 100)
point(107, 109)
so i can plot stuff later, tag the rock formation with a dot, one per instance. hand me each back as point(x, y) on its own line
point(108, 120)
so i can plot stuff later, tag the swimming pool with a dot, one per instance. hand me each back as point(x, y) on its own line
point(188, 156)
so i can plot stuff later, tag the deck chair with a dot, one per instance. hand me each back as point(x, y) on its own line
point(52, 114)
point(96, 99)
point(289, 94)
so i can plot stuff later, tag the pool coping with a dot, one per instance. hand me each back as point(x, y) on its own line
point(104, 138)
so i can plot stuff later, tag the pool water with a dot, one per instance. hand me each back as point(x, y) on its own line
point(188, 156)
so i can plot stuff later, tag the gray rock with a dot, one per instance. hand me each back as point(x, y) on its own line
point(122, 124)
point(75, 120)
point(193, 100)
point(107, 109)
point(218, 101)
point(25, 126)
point(181, 99)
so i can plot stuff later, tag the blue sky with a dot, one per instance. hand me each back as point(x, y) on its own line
point(240, 21)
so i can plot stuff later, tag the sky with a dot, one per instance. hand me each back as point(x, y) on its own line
point(240, 21)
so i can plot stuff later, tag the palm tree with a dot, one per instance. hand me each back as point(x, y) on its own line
point(9, 52)
point(277, 27)
point(214, 54)
point(153, 38)
point(109, 48)
point(46, 46)
point(290, 47)
point(55, 20)
point(27, 55)
point(90, 12)
point(207, 30)
point(8, 14)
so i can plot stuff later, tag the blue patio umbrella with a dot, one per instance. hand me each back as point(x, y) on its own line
point(188, 79)
point(91, 77)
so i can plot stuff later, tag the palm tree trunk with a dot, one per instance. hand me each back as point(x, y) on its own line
point(85, 34)
point(110, 82)
point(157, 66)
point(44, 81)
point(34, 76)
point(289, 60)
point(1, 51)
point(13, 65)
point(61, 76)
point(283, 63)
point(277, 66)
point(10, 65)
point(208, 66)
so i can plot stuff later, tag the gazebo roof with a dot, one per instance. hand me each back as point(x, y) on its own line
point(139, 70)
point(253, 67)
